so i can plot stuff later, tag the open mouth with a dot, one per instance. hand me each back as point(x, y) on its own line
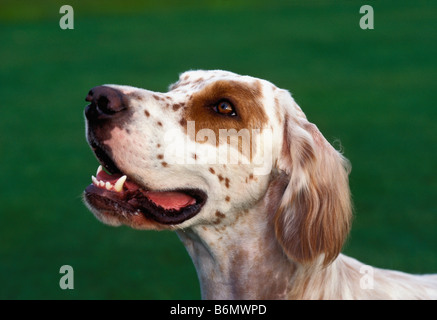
point(112, 191)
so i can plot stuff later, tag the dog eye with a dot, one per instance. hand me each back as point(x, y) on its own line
point(225, 107)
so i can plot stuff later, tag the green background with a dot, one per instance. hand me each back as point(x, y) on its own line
point(373, 90)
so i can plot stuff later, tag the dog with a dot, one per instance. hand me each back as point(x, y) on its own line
point(257, 195)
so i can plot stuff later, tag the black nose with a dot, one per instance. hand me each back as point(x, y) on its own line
point(105, 102)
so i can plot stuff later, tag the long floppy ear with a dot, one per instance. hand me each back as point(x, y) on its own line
point(315, 212)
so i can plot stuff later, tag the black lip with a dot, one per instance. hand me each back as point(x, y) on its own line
point(123, 204)
point(132, 203)
point(104, 159)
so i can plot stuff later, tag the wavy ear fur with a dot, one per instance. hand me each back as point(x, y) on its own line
point(314, 215)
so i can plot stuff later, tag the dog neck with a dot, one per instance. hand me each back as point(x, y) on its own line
point(240, 259)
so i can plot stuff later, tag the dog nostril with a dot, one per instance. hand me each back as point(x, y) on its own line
point(103, 105)
point(105, 100)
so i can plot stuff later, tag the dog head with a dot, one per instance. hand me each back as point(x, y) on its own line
point(215, 145)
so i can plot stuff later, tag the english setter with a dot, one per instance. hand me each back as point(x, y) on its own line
point(257, 195)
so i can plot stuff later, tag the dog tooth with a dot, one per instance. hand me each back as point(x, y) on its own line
point(95, 181)
point(108, 186)
point(119, 184)
point(99, 169)
point(102, 184)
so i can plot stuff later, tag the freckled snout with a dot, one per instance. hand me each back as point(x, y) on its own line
point(105, 102)
point(108, 109)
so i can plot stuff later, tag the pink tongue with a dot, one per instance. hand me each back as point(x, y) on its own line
point(170, 200)
point(166, 200)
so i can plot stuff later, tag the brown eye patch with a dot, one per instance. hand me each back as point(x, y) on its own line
point(244, 97)
point(249, 114)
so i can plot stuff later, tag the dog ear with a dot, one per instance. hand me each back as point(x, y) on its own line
point(315, 211)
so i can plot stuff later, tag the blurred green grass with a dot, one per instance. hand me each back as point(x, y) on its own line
point(373, 90)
